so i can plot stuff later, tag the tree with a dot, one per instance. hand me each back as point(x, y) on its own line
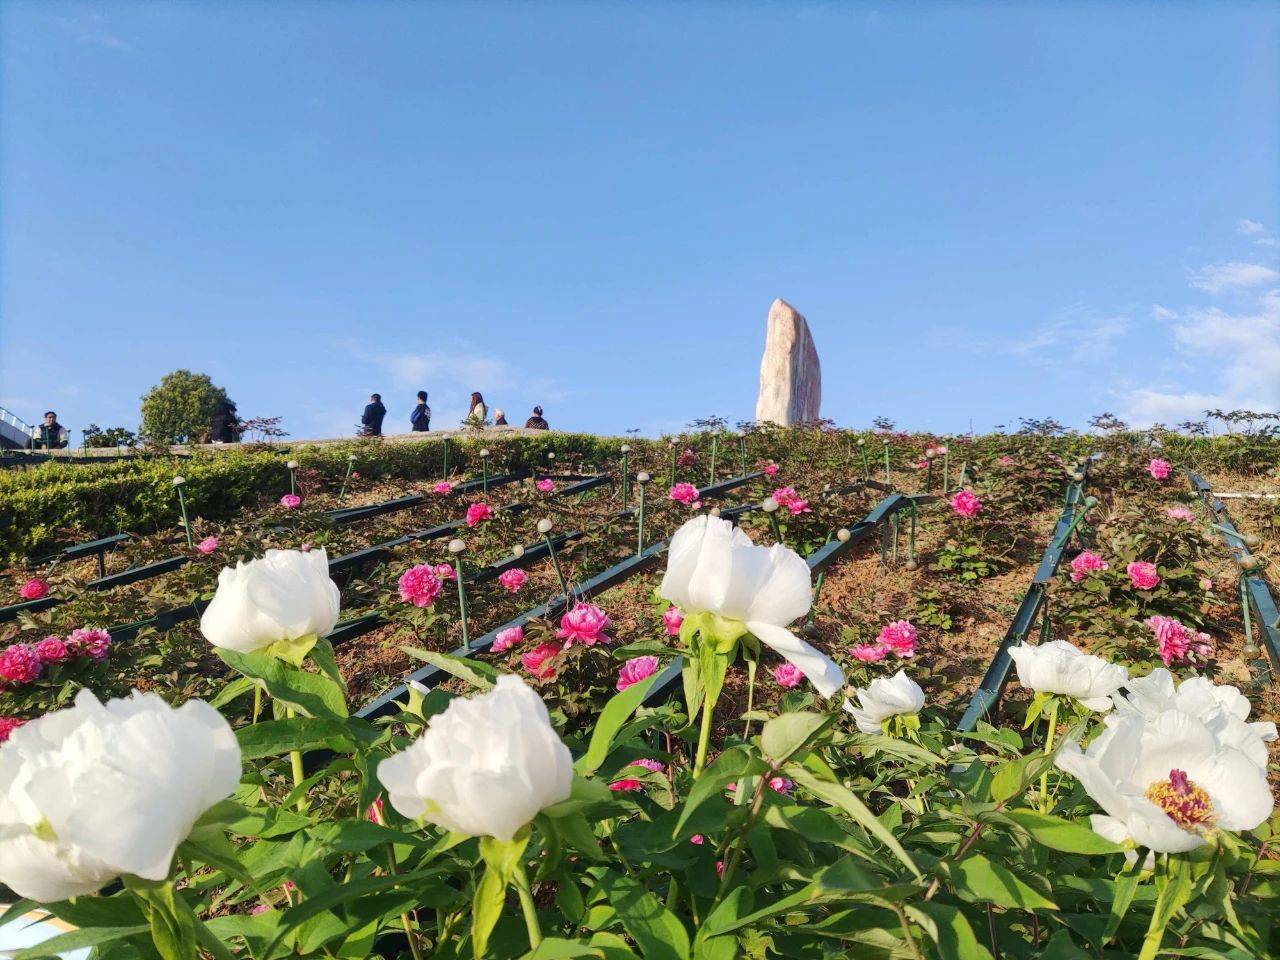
point(178, 408)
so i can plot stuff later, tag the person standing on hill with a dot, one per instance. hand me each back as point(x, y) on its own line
point(478, 411)
point(420, 419)
point(371, 421)
point(499, 418)
point(536, 422)
point(53, 435)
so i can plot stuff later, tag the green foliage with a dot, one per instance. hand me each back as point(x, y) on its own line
point(178, 409)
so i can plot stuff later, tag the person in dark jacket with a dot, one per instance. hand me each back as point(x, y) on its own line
point(224, 424)
point(536, 422)
point(371, 422)
point(53, 435)
point(420, 419)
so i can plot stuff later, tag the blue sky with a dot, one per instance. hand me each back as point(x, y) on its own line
point(985, 211)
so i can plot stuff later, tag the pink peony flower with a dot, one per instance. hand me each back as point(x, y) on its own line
point(52, 650)
point(8, 725)
point(787, 675)
point(585, 623)
point(671, 620)
point(1202, 646)
point(898, 638)
point(697, 839)
point(290, 500)
point(869, 652)
point(512, 580)
point(687, 459)
point(1159, 469)
point(635, 670)
point(1142, 575)
point(374, 813)
point(260, 909)
point(965, 503)
point(627, 785)
point(787, 497)
point(1006, 461)
point(1180, 513)
point(34, 589)
point(443, 488)
point(477, 513)
point(20, 663)
point(444, 571)
point(305, 548)
point(653, 766)
point(540, 661)
point(685, 493)
point(508, 638)
point(770, 469)
point(719, 868)
point(922, 464)
point(1206, 584)
point(1173, 640)
point(1084, 564)
point(420, 586)
point(208, 545)
point(91, 642)
point(546, 486)
point(780, 785)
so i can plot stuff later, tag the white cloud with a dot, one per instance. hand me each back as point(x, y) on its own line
point(1163, 313)
point(1222, 276)
point(1085, 339)
point(1249, 226)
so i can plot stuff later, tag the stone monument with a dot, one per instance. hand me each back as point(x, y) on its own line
point(790, 376)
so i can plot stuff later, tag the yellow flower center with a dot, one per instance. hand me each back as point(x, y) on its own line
point(1186, 804)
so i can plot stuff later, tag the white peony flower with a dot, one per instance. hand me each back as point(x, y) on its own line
point(713, 567)
point(285, 595)
point(98, 790)
point(485, 767)
point(1059, 667)
point(885, 697)
point(1221, 707)
point(1166, 782)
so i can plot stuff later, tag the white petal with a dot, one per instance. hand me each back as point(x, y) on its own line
point(823, 672)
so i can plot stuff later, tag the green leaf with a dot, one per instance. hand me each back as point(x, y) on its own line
point(1059, 834)
point(1007, 781)
point(231, 690)
point(480, 675)
point(782, 737)
point(978, 878)
point(656, 930)
point(949, 929)
point(1061, 947)
point(311, 693)
point(840, 796)
point(615, 713)
point(554, 949)
point(271, 738)
point(293, 651)
point(727, 768)
point(486, 909)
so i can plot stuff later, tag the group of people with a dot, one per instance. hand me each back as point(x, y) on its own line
point(420, 419)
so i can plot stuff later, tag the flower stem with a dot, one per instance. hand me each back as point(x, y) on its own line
point(1045, 803)
point(295, 761)
point(751, 689)
point(521, 881)
point(257, 702)
point(704, 737)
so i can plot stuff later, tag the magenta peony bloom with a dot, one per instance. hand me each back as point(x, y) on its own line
point(697, 839)
point(787, 497)
point(1180, 513)
point(420, 586)
point(91, 642)
point(685, 493)
point(444, 571)
point(1206, 584)
point(1173, 640)
point(1159, 469)
point(506, 639)
point(1142, 575)
point(8, 725)
point(626, 785)
point(770, 469)
point(635, 670)
point(52, 650)
point(898, 638)
point(546, 486)
point(780, 785)
point(922, 464)
point(687, 459)
point(305, 548)
point(443, 487)
point(477, 513)
point(653, 766)
point(512, 580)
point(540, 661)
point(1084, 564)
point(290, 500)
point(672, 618)
point(19, 663)
point(208, 545)
point(1006, 461)
point(374, 813)
point(787, 675)
point(585, 623)
point(34, 589)
point(869, 652)
point(965, 503)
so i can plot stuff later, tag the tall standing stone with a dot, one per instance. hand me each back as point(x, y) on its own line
point(790, 376)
